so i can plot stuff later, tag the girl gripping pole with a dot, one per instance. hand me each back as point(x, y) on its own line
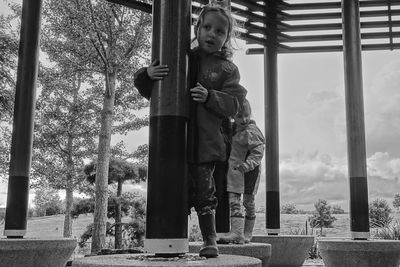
point(215, 95)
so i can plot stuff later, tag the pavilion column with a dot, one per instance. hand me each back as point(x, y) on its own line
point(24, 112)
point(356, 151)
point(271, 126)
point(167, 192)
point(222, 212)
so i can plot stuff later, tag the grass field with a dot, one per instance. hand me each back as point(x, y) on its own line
point(52, 226)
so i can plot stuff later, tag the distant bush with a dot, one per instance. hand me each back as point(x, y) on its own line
point(289, 209)
point(47, 202)
point(336, 209)
point(396, 201)
point(379, 213)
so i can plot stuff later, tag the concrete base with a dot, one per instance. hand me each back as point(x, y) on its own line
point(287, 251)
point(255, 250)
point(146, 260)
point(36, 252)
point(365, 253)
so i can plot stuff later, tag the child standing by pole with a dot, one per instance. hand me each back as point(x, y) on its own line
point(243, 176)
point(215, 94)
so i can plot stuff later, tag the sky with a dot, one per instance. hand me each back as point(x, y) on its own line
point(312, 124)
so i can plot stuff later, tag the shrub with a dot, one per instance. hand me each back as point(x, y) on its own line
point(47, 202)
point(379, 213)
point(195, 234)
point(336, 209)
point(289, 209)
point(313, 253)
point(133, 232)
point(396, 201)
point(391, 231)
point(322, 216)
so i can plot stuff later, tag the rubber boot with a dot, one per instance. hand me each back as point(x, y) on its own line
point(235, 236)
point(209, 248)
point(248, 229)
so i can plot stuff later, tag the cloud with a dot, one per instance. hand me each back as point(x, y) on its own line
point(307, 177)
point(382, 165)
point(382, 110)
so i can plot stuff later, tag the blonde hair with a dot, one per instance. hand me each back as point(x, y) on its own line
point(227, 48)
point(245, 109)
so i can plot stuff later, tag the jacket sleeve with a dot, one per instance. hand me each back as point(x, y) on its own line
point(143, 82)
point(256, 143)
point(226, 101)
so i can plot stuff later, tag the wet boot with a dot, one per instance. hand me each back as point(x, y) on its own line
point(248, 229)
point(235, 236)
point(209, 248)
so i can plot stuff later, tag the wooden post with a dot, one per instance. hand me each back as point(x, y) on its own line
point(271, 127)
point(357, 166)
point(24, 112)
point(167, 192)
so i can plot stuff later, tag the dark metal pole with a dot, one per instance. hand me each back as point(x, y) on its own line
point(357, 166)
point(222, 212)
point(24, 110)
point(167, 196)
point(271, 128)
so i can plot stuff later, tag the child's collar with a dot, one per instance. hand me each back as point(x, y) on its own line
point(217, 53)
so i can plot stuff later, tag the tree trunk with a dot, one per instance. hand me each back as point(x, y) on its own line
point(101, 187)
point(69, 200)
point(118, 219)
point(69, 188)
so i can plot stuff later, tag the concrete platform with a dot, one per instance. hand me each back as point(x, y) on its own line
point(287, 250)
point(148, 260)
point(355, 253)
point(255, 250)
point(36, 252)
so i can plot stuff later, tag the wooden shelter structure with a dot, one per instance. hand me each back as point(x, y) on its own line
point(270, 27)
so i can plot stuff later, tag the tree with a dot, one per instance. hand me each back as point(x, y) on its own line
point(65, 132)
point(112, 41)
point(289, 209)
point(322, 216)
point(379, 213)
point(119, 172)
point(132, 204)
point(396, 201)
point(8, 63)
point(47, 202)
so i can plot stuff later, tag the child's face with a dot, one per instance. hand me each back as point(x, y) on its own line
point(213, 32)
point(242, 119)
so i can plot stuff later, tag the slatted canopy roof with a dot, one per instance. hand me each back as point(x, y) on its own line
point(296, 26)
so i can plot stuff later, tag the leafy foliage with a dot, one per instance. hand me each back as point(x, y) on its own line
point(396, 201)
point(133, 206)
point(379, 213)
point(47, 202)
point(289, 209)
point(118, 171)
point(110, 41)
point(336, 209)
point(86, 205)
point(322, 216)
point(8, 63)
point(390, 231)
